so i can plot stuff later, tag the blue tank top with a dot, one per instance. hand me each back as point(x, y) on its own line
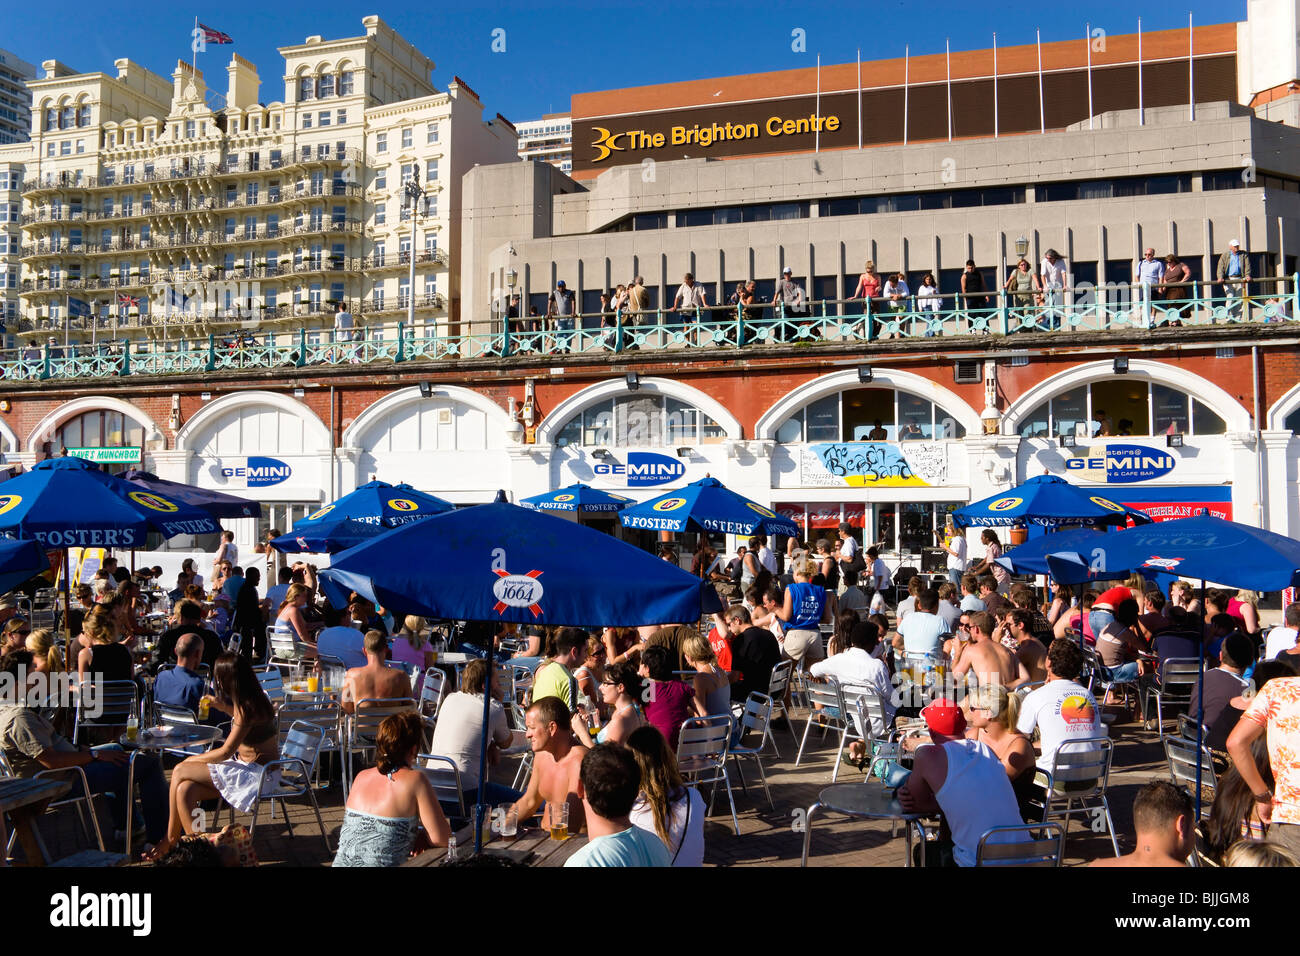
point(808, 602)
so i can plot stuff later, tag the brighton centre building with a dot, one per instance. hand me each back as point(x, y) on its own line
point(867, 292)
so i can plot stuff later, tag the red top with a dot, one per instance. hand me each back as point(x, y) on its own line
point(1113, 598)
point(721, 647)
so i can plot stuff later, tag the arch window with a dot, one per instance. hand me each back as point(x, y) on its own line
point(1119, 408)
point(640, 421)
point(99, 429)
point(1292, 422)
point(870, 414)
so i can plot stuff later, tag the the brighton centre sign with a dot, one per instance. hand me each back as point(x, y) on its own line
point(706, 135)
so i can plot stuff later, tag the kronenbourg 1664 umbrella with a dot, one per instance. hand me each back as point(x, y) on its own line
point(327, 537)
point(580, 498)
point(216, 503)
point(1048, 501)
point(20, 560)
point(706, 505)
point(378, 502)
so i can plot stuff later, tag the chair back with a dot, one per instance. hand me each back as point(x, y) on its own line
point(757, 714)
point(272, 681)
point(431, 691)
point(113, 701)
point(702, 744)
point(372, 711)
point(332, 671)
point(445, 777)
point(1178, 677)
point(1181, 755)
point(302, 742)
point(1082, 766)
point(319, 713)
point(172, 714)
point(866, 703)
point(780, 680)
point(1043, 844)
point(828, 694)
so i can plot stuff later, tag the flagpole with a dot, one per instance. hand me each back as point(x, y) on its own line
point(1042, 121)
point(1142, 119)
point(859, 97)
point(906, 68)
point(947, 56)
point(817, 133)
point(1087, 43)
point(1191, 54)
point(995, 86)
point(193, 51)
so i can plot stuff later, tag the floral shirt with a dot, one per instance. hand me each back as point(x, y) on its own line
point(1277, 708)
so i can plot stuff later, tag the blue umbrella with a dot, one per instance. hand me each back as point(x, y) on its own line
point(580, 498)
point(216, 503)
point(327, 537)
point(1032, 556)
point(707, 505)
point(1048, 501)
point(70, 502)
point(20, 561)
point(378, 503)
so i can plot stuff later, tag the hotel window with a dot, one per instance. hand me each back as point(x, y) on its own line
point(408, 170)
point(65, 148)
point(315, 297)
point(189, 129)
point(306, 122)
point(431, 206)
point(128, 173)
point(250, 194)
point(68, 117)
point(250, 227)
point(381, 142)
point(324, 119)
point(1121, 408)
point(403, 292)
point(381, 177)
point(404, 249)
point(345, 83)
point(431, 136)
point(230, 228)
point(408, 138)
point(641, 422)
point(234, 126)
point(326, 85)
point(377, 299)
point(431, 246)
point(51, 119)
point(381, 214)
point(342, 117)
point(273, 190)
point(144, 263)
point(430, 170)
point(49, 148)
point(306, 88)
point(430, 286)
point(128, 205)
point(377, 255)
point(81, 146)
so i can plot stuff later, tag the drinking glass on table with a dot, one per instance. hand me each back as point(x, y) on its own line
point(559, 814)
point(508, 820)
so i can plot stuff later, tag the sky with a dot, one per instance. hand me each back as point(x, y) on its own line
point(553, 50)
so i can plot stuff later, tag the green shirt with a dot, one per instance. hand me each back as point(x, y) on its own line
point(554, 680)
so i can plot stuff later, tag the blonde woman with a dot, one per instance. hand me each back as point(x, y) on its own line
point(868, 286)
point(992, 712)
point(412, 645)
point(591, 673)
point(712, 685)
point(1245, 608)
point(45, 655)
point(1262, 853)
point(103, 657)
point(666, 806)
point(291, 621)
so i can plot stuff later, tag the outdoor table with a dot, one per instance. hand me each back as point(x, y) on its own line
point(867, 800)
point(533, 846)
point(24, 799)
point(297, 691)
point(185, 735)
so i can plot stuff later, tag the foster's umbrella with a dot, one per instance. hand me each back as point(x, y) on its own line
point(20, 560)
point(379, 503)
point(707, 505)
point(216, 503)
point(580, 498)
point(1048, 501)
point(327, 537)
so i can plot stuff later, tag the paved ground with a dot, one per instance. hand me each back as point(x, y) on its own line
point(767, 836)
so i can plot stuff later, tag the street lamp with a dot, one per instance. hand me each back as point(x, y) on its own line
point(416, 202)
point(1022, 247)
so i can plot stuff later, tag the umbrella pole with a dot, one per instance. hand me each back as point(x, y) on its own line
point(1200, 712)
point(67, 609)
point(481, 808)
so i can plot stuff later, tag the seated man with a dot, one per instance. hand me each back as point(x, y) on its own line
point(987, 659)
point(181, 686)
point(376, 680)
point(338, 640)
point(1162, 820)
point(1224, 682)
point(963, 779)
point(188, 618)
point(1029, 650)
point(970, 590)
point(1118, 643)
point(924, 630)
point(31, 744)
point(1022, 596)
point(853, 599)
point(855, 667)
point(1062, 710)
point(993, 601)
point(754, 652)
point(1152, 620)
point(557, 761)
point(609, 781)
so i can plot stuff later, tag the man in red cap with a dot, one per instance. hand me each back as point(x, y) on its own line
point(964, 780)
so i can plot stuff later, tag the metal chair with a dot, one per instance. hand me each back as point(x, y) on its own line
point(702, 757)
point(272, 680)
point(777, 685)
point(83, 801)
point(432, 690)
point(1099, 678)
point(298, 753)
point(444, 775)
point(362, 725)
point(286, 649)
point(833, 714)
point(756, 715)
point(115, 700)
point(1181, 755)
point(1175, 684)
point(325, 714)
point(1080, 771)
point(1045, 846)
point(171, 714)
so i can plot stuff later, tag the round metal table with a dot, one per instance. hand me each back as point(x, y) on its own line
point(867, 800)
point(187, 735)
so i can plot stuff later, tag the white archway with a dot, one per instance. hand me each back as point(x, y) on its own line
point(408, 396)
point(8, 440)
point(1282, 409)
point(581, 400)
point(44, 430)
point(1203, 390)
point(795, 399)
point(316, 433)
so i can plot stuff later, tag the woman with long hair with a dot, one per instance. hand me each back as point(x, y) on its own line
point(291, 622)
point(1235, 813)
point(233, 770)
point(388, 802)
point(845, 621)
point(992, 713)
point(103, 657)
point(411, 645)
point(1062, 601)
point(45, 655)
point(620, 692)
point(591, 672)
point(666, 806)
point(712, 683)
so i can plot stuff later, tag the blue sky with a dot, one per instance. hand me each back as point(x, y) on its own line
point(556, 49)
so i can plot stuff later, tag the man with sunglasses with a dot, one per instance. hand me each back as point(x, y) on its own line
point(988, 660)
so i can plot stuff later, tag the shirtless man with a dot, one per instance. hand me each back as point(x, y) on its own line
point(1162, 818)
point(988, 659)
point(557, 762)
point(376, 679)
point(1029, 649)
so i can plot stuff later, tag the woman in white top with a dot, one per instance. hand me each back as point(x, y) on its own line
point(667, 807)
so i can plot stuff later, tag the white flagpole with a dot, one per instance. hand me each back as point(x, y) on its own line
point(1042, 120)
point(995, 86)
point(859, 97)
point(1191, 78)
point(1087, 42)
point(817, 137)
point(1142, 118)
point(193, 52)
point(947, 56)
point(906, 67)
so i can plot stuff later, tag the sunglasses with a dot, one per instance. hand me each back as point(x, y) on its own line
point(963, 627)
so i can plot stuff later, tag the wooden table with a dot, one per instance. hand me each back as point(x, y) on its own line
point(24, 799)
point(533, 846)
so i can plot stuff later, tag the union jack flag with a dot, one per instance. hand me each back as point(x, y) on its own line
point(129, 301)
point(214, 36)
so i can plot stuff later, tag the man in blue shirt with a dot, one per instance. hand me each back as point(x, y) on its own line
point(339, 640)
point(235, 581)
point(608, 784)
point(181, 686)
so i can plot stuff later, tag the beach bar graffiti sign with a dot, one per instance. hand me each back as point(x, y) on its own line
point(860, 464)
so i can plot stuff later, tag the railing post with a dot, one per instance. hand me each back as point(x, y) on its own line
point(302, 348)
point(618, 331)
point(740, 325)
point(401, 343)
point(868, 319)
point(126, 357)
point(212, 353)
point(505, 336)
point(1003, 317)
point(45, 367)
point(1295, 295)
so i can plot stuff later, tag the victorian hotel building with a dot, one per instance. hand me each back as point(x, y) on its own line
point(886, 413)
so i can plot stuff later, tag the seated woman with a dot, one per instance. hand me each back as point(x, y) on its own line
point(670, 701)
point(103, 657)
point(45, 653)
point(387, 802)
point(991, 713)
point(292, 623)
point(667, 807)
point(1078, 619)
point(1235, 813)
point(590, 674)
point(712, 683)
point(233, 770)
point(1118, 644)
point(458, 733)
point(412, 644)
point(620, 692)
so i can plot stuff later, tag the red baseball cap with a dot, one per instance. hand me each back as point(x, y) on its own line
point(945, 717)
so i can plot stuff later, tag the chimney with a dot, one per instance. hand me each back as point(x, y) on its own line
point(243, 86)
